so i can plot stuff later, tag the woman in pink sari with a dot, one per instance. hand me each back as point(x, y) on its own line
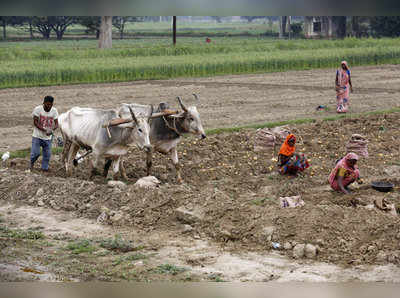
point(343, 82)
point(344, 173)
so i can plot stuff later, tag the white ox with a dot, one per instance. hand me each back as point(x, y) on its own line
point(108, 133)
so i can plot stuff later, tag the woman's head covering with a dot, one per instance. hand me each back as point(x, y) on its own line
point(345, 63)
point(351, 155)
point(286, 149)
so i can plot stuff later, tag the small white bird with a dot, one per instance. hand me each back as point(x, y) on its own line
point(5, 156)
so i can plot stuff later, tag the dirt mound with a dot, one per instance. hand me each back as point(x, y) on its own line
point(231, 193)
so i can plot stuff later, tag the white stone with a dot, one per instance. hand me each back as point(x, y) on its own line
point(188, 217)
point(268, 231)
point(187, 228)
point(287, 246)
point(40, 203)
point(148, 182)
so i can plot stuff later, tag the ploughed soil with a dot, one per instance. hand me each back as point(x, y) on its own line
point(230, 195)
point(225, 101)
point(217, 223)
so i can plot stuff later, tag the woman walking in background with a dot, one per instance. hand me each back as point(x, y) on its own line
point(343, 82)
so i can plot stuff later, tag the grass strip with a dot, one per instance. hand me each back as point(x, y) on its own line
point(299, 121)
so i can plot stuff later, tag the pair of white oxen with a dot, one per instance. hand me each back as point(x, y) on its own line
point(107, 134)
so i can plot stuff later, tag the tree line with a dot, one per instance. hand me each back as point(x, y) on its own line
point(59, 24)
point(376, 26)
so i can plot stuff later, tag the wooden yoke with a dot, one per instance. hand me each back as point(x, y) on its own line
point(119, 121)
point(116, 121)
point(164, 113)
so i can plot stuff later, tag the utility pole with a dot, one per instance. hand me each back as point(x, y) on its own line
point(174, 30)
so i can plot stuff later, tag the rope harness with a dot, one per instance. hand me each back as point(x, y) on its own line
point(174, 126)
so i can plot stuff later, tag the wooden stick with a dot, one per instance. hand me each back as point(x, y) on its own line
point(164, 113)
point(116, 121)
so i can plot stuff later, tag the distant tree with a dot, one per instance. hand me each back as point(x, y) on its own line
point(8, 21)
point(42, 25)
point(25, 23)
point(296, 29)
point(105, 39)
point(385, 26)
point(4, 22)
point(59, 24)
point(92, 24)
point(250, 19)
point(218, 19)
point(340, 23)
point(120, 22)
point(359, 26)
point(150, 19)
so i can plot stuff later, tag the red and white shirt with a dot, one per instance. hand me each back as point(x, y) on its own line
point(46, 120)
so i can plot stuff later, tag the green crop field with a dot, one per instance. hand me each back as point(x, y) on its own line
point(40, 63)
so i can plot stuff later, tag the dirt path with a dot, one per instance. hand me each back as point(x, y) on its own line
point(225, 100)
point(201, 257)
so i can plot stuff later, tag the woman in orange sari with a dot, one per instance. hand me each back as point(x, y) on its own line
point(288, 161)
point(343, 88)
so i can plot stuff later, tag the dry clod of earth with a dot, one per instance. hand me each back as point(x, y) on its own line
point(381, 256)
point(118, 218)
point(267, 233)
point(40, 192)
point(310, 251)
point(392, 170)
point(114, 183)
point(298, 251)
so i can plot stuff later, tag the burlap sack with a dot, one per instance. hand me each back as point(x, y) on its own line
point(358, 144)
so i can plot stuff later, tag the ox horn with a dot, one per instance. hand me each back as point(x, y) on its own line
point(196, 97)
point(133, 115)
point(151, 112)
point(181, 104)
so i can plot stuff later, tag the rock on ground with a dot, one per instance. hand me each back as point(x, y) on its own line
point(147, 182)
point(188, 217)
